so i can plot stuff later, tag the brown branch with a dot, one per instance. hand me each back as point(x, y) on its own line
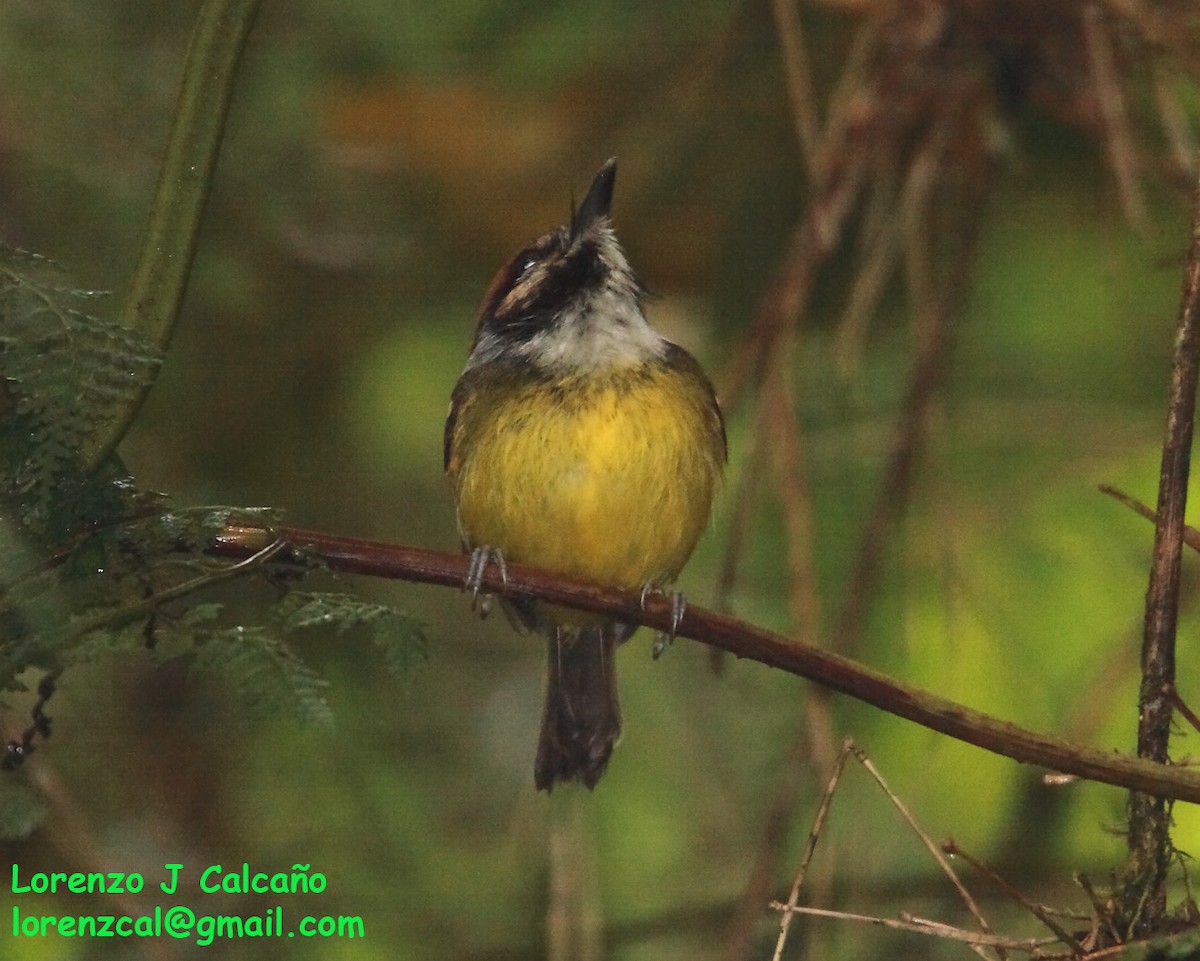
point(743, 640)
point(795, 497)
point(1175, 123)
point(836, 161)
point(813, 744)
point(892, 492)
point(1142, 900)
point(866, 291)
point(745, 499)
point(1115, 127)
point(574, 927)
point(839, 167)
point(798, 71)
point(786, 299)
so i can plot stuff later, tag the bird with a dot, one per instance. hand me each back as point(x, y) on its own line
point(580, 441)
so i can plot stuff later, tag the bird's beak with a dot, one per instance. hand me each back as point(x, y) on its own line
point(596, 204)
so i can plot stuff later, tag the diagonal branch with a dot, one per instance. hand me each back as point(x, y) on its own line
point(738, 638)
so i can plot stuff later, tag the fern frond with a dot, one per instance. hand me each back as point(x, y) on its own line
point(89, 564)
point(264, 674)
point(399, 636)
point(63, 372)
point(402, 640)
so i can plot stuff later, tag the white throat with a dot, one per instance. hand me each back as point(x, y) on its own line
point(606, 329)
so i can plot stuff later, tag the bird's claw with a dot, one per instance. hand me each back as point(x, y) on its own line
point(663, 639)
point(480, 558)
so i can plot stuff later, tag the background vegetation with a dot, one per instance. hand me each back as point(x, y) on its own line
point(382, 160)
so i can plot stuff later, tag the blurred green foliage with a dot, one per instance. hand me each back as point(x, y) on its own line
point(383, 158)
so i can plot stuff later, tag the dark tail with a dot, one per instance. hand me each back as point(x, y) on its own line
point(581, 722)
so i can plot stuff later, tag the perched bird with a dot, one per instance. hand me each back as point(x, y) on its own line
point(582, 442)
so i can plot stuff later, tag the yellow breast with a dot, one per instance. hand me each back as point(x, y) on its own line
point(607, 478)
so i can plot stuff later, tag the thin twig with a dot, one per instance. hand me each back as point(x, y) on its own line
point(810, 847)
point(870, 282)
point(837, 170)
point(1101, 912)
point(574, 928)
point(923, 926)
point(930, 845)
point(1037, 910)
point(1182, 707)
point(131, 612)
point(839, 174)
point(1191, 536)
point(855, 95)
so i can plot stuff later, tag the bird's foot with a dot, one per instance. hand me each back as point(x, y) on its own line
point(480, 558)
point(663, 639)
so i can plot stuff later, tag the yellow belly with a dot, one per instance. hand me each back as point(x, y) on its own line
point(609, 480)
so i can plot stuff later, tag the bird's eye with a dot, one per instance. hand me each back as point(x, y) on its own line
point(527, 263)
